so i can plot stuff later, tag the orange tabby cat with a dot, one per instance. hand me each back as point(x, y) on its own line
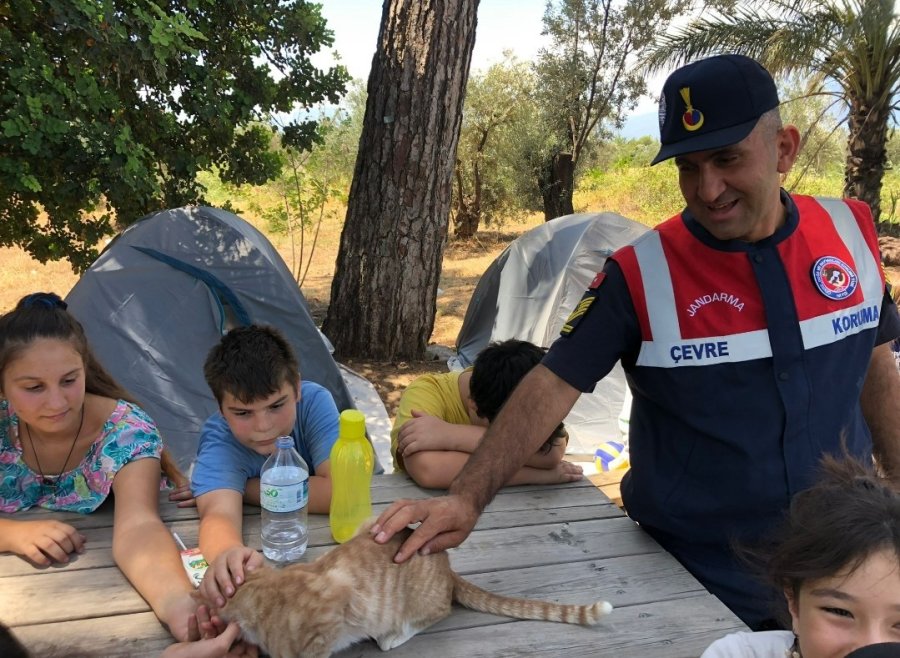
point(356, 591)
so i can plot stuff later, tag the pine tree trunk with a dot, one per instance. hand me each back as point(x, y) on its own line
point(866, 153)
point(557, 182)
point(383, 296)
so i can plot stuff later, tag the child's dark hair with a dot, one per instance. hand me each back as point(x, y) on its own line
point(10, 647)
point(43, 315)
point(848, 515)
point(497, 370)
point(251, 363)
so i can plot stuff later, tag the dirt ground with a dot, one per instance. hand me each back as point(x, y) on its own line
point(464, 262)
point(390, 379)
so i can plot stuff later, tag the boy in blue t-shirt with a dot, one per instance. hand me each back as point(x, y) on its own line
point(255, 378)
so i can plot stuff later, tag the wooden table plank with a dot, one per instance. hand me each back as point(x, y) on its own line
point(623, 581)
point(681, 628)
point(563, 543)
point(610, 483)
point(513, 508)
point(63, 596)
point(138, 635)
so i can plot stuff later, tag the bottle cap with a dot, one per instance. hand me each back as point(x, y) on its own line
point(352, 424)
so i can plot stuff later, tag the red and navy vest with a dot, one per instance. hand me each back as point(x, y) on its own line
point(692, 316)
point(751, 361)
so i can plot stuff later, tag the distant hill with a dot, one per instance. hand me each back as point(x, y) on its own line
point(639, 125)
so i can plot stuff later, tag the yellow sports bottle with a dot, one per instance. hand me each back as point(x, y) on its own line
point(352, 461)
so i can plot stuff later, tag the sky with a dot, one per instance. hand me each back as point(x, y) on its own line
point(502, 25)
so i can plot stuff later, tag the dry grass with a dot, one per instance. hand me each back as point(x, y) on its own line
point(20, 274)
point(464, 263)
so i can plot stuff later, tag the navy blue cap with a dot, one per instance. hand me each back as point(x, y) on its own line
point(712, 103)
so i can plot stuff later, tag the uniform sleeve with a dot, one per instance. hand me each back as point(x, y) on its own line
point(602, 330)
point(318, 420)
point(221, 460)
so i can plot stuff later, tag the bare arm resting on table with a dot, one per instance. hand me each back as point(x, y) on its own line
point(426, 433)
point(144, 549)
point(436, 469)
point(319, 490)
point(435, 451)
point(880, 400)
point(534, 409)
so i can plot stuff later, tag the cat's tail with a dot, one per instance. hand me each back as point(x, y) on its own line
point(472, 596)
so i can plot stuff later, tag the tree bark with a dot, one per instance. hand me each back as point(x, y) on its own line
point(866, 153)
point(383, 296)
point(557, 182)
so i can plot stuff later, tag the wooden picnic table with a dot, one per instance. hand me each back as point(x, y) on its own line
point(564, 543)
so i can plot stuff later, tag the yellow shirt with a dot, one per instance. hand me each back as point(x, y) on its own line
point(436, 395)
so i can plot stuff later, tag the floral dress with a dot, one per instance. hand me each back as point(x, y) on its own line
point(128, 434)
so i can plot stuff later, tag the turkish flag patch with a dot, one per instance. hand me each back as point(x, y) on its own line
point(597, 281)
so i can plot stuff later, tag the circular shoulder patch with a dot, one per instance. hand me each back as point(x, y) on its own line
point(834, 278)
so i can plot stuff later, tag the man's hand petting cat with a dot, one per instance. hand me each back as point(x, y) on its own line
point(445, 522)
point(227, 573)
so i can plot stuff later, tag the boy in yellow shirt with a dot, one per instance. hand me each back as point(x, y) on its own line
point(442, 417)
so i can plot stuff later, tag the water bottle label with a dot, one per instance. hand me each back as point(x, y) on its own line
point(284, 498)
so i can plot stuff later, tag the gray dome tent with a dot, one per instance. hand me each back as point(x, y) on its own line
point(162, 294)
point(529, 291)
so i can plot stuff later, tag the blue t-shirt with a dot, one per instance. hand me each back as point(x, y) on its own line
point(223, 463)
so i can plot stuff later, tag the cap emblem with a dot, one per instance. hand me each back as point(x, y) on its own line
point(692, 119)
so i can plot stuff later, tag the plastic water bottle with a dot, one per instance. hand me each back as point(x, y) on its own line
point(352, 461)
point(284, 494)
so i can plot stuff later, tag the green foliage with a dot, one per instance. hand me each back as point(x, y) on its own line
point(893, 150)
point(623, 182)
point(110, 108)
point(586, 79)
point(490, 183)
point(303, 189)
point(640, 192)
point(852, 46)
point(334, 157)
point(621, 153)
point(823, 134)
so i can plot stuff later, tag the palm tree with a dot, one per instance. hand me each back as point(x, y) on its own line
point(852, 46)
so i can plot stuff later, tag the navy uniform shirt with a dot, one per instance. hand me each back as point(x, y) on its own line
point(754, 373)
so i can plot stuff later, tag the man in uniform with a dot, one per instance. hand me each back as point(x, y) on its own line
point(754, 330)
